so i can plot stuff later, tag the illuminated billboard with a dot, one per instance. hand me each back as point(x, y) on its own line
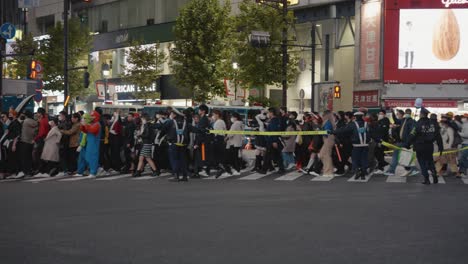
point(425, 42)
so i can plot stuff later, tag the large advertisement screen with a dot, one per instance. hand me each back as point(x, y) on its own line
point(426, 42)
point(437, 43)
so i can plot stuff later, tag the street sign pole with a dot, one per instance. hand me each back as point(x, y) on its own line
point(66, 8)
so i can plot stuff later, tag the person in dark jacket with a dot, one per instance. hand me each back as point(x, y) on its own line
point(177, 131)
point(406, 125)
point(129, 142)
point(273, 143)
point(147, 138)
point(423, 136)
point(202, 144)
point(359, 133)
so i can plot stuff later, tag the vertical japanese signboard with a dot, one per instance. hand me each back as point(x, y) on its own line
point(370, 41)
point(366, 98)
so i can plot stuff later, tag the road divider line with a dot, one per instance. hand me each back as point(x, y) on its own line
point(114, 177)
point(322, 179)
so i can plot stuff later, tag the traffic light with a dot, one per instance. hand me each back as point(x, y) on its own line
point(86, 79)
point(31, 70)
point(337, 91)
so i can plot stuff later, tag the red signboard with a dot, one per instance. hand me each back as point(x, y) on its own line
point(426, 41)
point(370, 41)
point(426, 103)
point(366, 98)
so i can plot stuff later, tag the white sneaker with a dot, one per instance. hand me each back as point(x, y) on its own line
point(236, 173)
point(389, 173)
point(100, 170)
point(406, 173)
point(339, 175)
point(290, 166)
point(226, 174)
point(19, 175)
point(203, 173)
point(313, 173)
point(77, 175)
point(91, 176)
point(328, 176)
point(45, 175)
point(378, 172)
point(414, 173)
point(303, 171)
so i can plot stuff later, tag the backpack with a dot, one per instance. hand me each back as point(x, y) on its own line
point(457, 140)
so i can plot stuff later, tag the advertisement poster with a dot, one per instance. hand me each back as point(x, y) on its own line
point(370, 41)
point(366, 98)
point(437, 43)
point(325, 98)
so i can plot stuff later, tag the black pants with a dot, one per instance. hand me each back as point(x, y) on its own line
point(72, 159)
point(178, 159)
point(273, 154)
point(379, 153)
point(26, 157)
point(160, 156)
point(37, 154)
point(48, 166)
point(425, 159)
point(12, 159)
point(115, 161)
point(233, 159)
point(219, 154)
point(104, 156)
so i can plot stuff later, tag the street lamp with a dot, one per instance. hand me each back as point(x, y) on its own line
point(235, 66)
point(105, 68)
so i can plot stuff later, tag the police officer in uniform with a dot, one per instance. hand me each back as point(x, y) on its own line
point(423, 136)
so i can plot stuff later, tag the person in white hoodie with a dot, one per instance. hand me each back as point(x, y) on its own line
point(234, 144)
point(464, 155)
point(448, 136)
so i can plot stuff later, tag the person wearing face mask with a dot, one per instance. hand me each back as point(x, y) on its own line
point(63, 124)
point(273, 143)
point(26, 145)
point(233, 145)
point(381, 134)
point(260, 141)
point(290, 142)
point(160, 146)
point(44, 128)
point(71, 154)
point(449, 159)
point(50, 156)
point(147, 137)
point(405, 126)
point(129, 143)
point(115, 142)
point(219, 146)
point(464, 154)
point(11, 143)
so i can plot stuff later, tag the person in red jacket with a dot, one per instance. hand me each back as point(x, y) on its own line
point(44, 128)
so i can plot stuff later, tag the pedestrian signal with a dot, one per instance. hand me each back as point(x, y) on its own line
point(337, 91)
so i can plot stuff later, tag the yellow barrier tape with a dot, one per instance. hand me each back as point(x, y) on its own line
point(270, 133)
point(388, 145)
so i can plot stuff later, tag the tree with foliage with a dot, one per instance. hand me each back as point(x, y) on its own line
point(144, 67)
point(18, 65)
point(51, 55)
point(202, 52)
point(259, 67)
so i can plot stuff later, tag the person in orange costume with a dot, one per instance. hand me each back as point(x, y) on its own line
point(93, 136)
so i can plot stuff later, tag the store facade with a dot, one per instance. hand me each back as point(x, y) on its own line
point(413, 56)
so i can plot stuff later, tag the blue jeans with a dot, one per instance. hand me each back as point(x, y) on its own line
point(394, 163)
point(288, 158)
point(464, 160)
point(360, 157)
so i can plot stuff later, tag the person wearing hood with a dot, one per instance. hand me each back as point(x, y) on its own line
point(423, 136)
point(93, 139)
point(234, 145)
point(359, 132)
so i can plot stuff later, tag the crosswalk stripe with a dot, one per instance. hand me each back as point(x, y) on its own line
point(290, 176)
point(396, 179)
point(465, 180)
point(441, 180)
point(366, 180)
point(47, 179)
point(142, 178)
point(81, 178)
point(256, 176)
point(322, 179)
point(114, 177)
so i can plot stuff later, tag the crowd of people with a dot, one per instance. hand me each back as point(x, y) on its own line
point(183, 143)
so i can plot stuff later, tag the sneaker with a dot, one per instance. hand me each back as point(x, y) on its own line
point(406, 173)
point(203, 174)
point(387, 173)
point(413, 173)
point(19, 175)
point(313, 173)
point(303, 171)
point(328, 176)
point(290, 166)
point(378, 171)
point(339, 174)
point(236, 173)
point(77, 175)
point(91, 176)
point(225, 175)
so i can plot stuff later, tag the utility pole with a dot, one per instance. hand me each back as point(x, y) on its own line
point(284, 50)
point(66, 8)
point(312, 85)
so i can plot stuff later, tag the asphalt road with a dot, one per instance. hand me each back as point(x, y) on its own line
point(232, 222)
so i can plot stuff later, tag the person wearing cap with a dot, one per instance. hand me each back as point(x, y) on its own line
point(423, 136)
point(177, 131)
point(359, 132)
point(202, 143)
point(464, 136)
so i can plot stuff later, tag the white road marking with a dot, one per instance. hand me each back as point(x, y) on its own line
point(396, 179)
point(80, 178)
point(359, 180)
point(47, 179)
point(465, 180)
point(322, 179)
point(290, 176)
point(114, 177)
point(256, 176)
